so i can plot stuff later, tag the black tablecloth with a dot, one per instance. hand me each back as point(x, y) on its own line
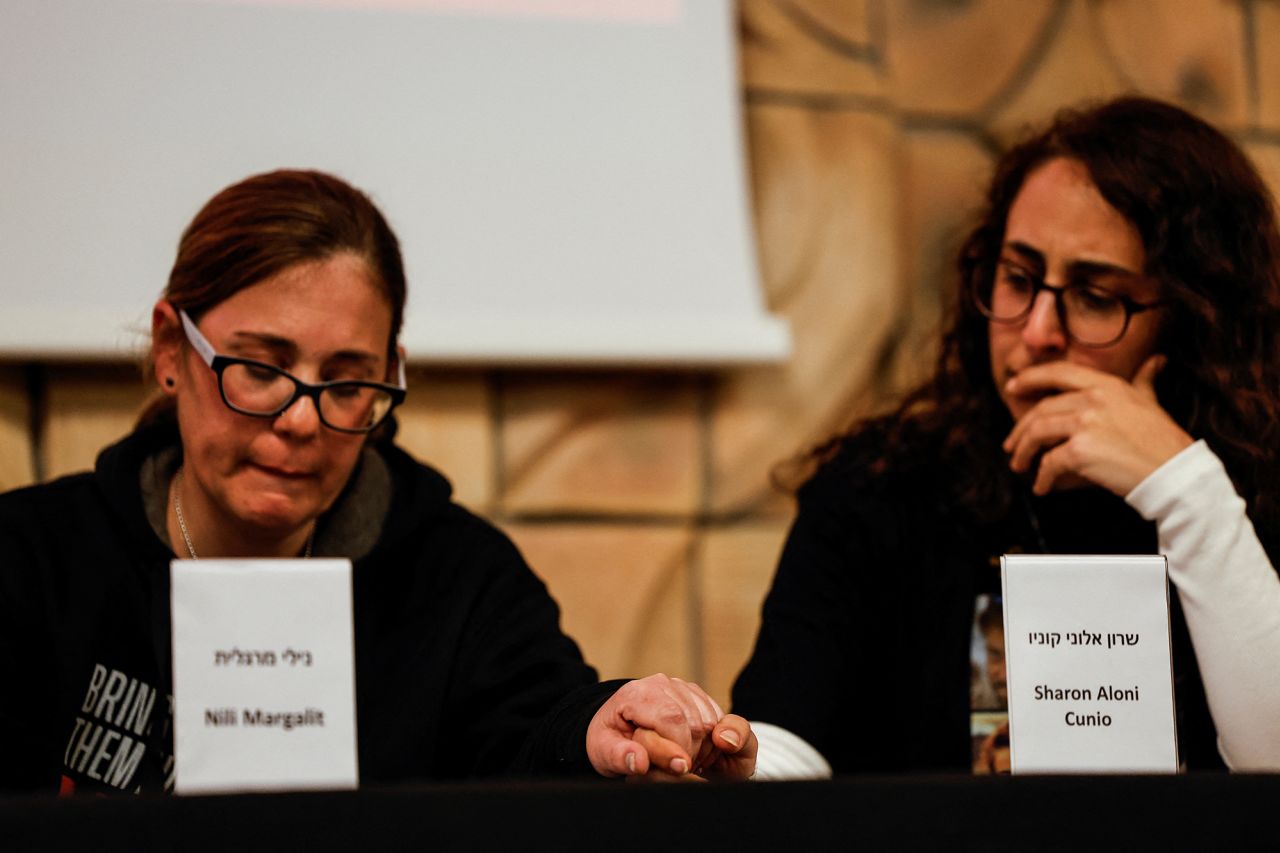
point(1054, 813)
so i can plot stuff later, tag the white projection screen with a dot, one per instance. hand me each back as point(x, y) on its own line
point(567, 177)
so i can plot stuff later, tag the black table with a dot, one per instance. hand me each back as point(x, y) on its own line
point(1076, 813)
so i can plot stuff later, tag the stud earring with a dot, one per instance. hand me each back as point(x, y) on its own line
point(168, 381)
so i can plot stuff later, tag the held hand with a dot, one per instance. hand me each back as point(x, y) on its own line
point(662, 754)
point(1095, 427)
point(729, 754)
point(681, 714)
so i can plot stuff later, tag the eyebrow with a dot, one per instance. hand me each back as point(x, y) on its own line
point(1075, 269)
point(284, 346)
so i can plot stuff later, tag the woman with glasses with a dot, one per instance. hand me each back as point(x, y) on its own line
point(274, 354)
point(1109, 383)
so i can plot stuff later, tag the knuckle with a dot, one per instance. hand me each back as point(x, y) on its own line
point(1071, 451)
point(671, 715)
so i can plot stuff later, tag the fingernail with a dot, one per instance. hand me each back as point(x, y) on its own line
point(679, 766)
point(631, 762)
point(730, 737)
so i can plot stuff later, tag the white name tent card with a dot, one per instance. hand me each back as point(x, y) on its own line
point(263, 675)
point(1088, 664)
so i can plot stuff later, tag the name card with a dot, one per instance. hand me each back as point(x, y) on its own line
point(1088, 664)
point(263, 676)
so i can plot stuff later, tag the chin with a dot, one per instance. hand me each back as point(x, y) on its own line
point(273, 514)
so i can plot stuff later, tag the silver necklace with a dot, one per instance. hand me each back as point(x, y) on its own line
point(186, 535)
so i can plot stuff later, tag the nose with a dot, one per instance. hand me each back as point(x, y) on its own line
point(300, 420)
point(1042, 331)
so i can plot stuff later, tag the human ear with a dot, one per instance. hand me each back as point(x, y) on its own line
point(166, 346)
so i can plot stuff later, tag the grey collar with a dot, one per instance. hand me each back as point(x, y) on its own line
point(350, 528)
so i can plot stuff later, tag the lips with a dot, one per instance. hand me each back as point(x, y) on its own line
point(1034, 396)
point(282, 473)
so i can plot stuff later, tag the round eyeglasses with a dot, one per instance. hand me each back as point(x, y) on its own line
point(263, 390)
point(1090, 315)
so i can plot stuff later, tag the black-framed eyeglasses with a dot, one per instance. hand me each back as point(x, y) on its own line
point(1090, 315)
point(263, 390)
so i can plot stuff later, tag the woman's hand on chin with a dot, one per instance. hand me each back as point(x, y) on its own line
point(1095, 427)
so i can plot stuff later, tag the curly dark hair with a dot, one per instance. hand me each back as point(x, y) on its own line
point(1208, 226)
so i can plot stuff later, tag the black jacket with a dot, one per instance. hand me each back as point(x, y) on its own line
point(864, 647)
point(461, 668)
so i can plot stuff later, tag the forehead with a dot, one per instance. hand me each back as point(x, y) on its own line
point(1060, 213)
point(321, 306)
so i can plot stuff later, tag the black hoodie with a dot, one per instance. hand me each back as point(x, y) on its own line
point(461, 667)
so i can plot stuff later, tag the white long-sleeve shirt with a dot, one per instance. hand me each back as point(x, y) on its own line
point(1230, 594)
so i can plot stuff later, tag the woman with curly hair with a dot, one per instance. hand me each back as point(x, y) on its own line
point(1109, 383)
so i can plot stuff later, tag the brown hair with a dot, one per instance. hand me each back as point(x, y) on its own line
point(1208, 225)
point(267, 223)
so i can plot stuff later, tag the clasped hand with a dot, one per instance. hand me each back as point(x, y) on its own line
point(1093, 427)
point(666, 728)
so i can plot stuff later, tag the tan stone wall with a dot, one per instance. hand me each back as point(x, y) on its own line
point(643, 499)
